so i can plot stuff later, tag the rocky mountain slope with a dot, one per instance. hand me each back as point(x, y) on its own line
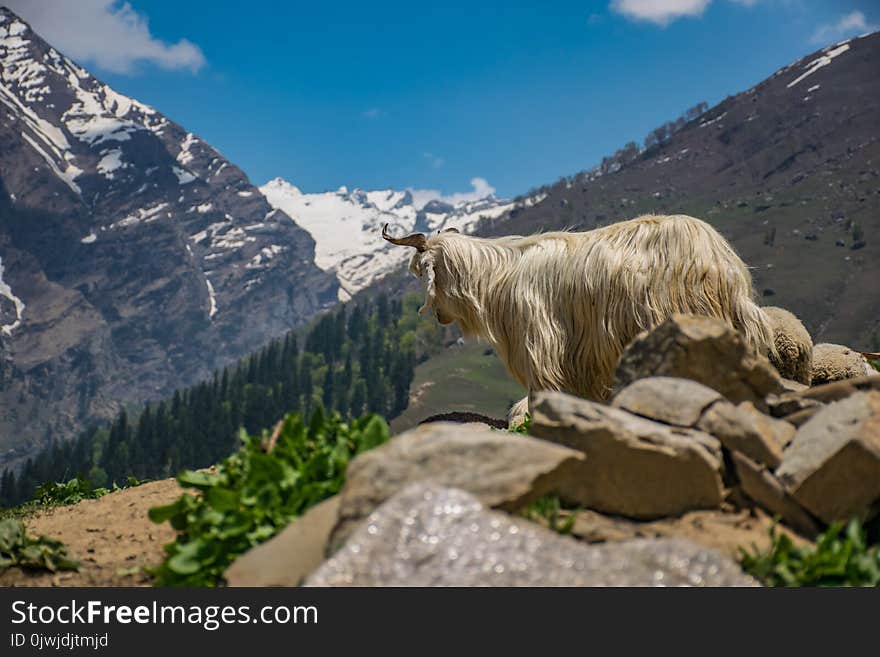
point(347, 226)
point(134, 258)
point(788, 170)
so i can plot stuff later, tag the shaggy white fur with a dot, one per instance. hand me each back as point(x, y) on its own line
point(560, 307)
point(794, 346)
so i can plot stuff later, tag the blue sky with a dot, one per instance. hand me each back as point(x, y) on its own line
point(433, 95)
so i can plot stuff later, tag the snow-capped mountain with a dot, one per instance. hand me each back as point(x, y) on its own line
point(347, 226)
point(134, 258)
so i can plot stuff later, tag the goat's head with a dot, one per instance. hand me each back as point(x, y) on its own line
point(430, 266)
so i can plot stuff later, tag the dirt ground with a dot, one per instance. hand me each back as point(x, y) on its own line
point(111, 537)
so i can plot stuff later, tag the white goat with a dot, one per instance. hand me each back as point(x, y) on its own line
point(560, 307)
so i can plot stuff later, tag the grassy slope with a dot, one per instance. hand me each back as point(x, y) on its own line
point(461, 378)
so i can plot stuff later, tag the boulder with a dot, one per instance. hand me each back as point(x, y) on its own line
point(760, 486)
point(726, 531)
point(666, 399)
point(790, 403)
point(832, 467)
point(838, 390)
point(834, 362)
point(634, 467)
point(799, 418)
point(503, 470)
point(794, 346)
point(428, 535)
point(745, 429)
point(798, 407)
point(705, 350)
point(287, 558)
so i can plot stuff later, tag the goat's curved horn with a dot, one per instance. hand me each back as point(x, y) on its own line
point(451, 230)
point(417, 240)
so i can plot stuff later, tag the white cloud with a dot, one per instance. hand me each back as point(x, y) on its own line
point(481, 189)
point(434, 160)
point(107, 33)
point(849, 25)
point(659, 12)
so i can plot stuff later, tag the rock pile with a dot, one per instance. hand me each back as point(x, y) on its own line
point(701, 444)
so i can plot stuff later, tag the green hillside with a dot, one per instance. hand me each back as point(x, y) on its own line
point(461, 378)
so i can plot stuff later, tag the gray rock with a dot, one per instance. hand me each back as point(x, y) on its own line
point(832, 468)
point(799, 406)
point(428, 535)
point(745, 429)
point(502, 469)
point(289, 557)
point(666, 399)
point(764, 489)
point(838, 390)
point(789, 403)
point(799, 418)
point(792, 386)
point(635, 467)
point(705, 350)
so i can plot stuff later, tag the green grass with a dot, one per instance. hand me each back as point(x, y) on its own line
point(839, 558)
point(549, 509)
point(257, 491)
point(19, 549)
point(460, 378)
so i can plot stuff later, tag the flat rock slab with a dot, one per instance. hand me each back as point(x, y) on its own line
point(832, 467)
point(635, 467)
point(702, 349)
point(759, 485)
point(725, 531)
point(667, 399)
point(428, 535)
point(286, 559)
point(745, 429)
point(502, 469)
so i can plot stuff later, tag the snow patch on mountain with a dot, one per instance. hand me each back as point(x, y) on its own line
point(212, 298)
point(347, 226)
point(184, 177)
point(819, 62)
point(17, 305)
point(110, 162)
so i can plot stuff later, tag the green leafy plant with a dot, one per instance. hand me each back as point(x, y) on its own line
point(549, 509)
point(839, 558)
point(62, 493)
point(257, 491)
point(19, 549)
point(76, 490)
point(523, 427)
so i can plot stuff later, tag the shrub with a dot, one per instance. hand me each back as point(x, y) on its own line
point(19, 549)
point(257, 491)
point(836, 560)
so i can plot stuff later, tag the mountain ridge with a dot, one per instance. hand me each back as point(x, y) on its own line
point(787, 170)
point(135, 257)
point(347, 225)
